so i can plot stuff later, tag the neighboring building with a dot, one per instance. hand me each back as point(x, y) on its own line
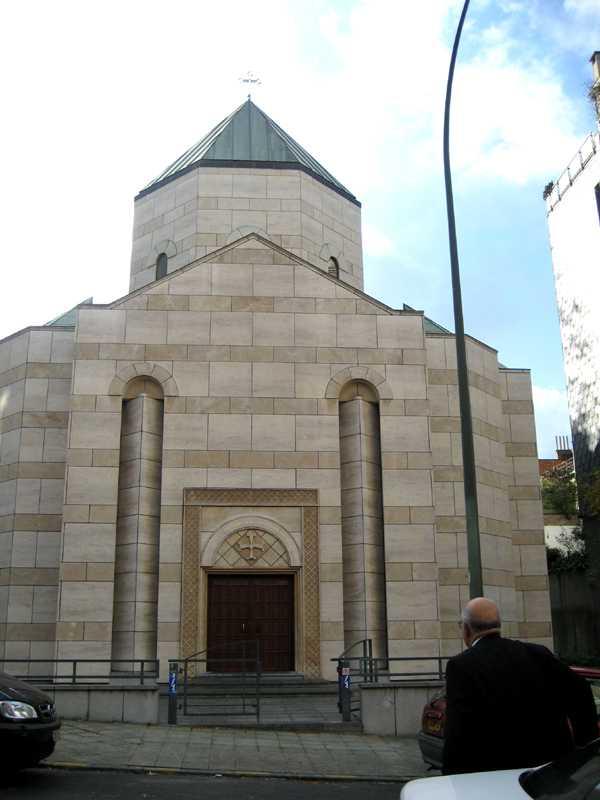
point(558, 527)
point(563, 460)
point(573, 205)
point(249, 445)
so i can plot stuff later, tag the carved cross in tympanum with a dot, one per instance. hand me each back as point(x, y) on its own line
point(254, 542)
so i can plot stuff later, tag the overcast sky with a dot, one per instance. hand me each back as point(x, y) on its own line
point(98, 97)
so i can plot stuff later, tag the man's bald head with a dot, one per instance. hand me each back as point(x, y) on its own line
point(480, 617)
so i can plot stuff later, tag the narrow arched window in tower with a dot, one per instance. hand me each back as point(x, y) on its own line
point(135, 608)
point(161, 265)
point(334, 267)
point(363, 554)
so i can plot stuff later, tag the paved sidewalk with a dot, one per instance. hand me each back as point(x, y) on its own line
point(223, 751)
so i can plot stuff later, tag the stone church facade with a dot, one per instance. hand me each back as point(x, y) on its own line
point(249, 446)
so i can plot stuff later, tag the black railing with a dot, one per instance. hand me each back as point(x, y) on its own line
point(373, 669)
point(363, 662)
point(79, 670)
point(363, 666)
point(370, 669)
point(223, 685)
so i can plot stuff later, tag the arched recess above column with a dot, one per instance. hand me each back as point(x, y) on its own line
point(244, 230)
point(328, 251)
point(366, 375)
point(144, 369)
point(165, 246)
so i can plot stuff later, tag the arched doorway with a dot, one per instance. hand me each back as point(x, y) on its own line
point(250, 606)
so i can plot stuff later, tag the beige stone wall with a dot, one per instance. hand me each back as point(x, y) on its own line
point(411, 570)
point(492, 483)
point(252, 349)
point(528, 546)
point(35, 382)
point(500, 481)
point(211, 207)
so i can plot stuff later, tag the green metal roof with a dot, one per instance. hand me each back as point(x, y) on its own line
point(434, 327)
point(248, 137)
point(70, 317)
point(428, 324)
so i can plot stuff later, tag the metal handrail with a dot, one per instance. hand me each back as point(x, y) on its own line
point(373, 668)
point(224, 644)
point(365, 661)
point(72, 677)
point(242, 677)
point(377, 670)
point(368, 642)
point(365, 664)
point(389, 674)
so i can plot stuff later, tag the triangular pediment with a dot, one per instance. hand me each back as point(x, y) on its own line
point(251, 249)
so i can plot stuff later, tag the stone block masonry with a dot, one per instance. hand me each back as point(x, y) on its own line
point(201, 211)
point(250, 414)
point(35, 387)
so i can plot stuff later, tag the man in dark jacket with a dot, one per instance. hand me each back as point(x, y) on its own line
point(510, 704)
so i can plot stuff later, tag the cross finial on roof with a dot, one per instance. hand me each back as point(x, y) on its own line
point(251, 79)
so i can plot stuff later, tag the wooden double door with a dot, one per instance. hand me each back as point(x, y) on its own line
point(246, 612)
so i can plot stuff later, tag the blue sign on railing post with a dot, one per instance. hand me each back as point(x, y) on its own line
point(346, 693)
point(172, 691)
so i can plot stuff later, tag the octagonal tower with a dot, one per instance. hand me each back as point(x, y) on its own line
point(246, 175)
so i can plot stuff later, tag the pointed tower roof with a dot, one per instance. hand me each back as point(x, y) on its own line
point(248, 138)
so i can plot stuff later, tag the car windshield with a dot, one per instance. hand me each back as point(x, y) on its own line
point(573, 777)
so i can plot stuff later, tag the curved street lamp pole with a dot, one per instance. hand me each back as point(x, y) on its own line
point(466, 422)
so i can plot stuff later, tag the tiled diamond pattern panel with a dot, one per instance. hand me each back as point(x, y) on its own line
point(312, 665)
point(251, 547)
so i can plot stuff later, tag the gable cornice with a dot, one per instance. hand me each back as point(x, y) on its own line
point(221, 251)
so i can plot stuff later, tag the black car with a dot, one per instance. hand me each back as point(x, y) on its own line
point(27, 723)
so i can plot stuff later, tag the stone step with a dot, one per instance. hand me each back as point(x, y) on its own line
point(280, 709)
point(270, 685)
point(249, 689)
point(276, 678)
point(249, 723)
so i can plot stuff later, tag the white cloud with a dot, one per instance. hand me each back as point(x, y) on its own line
point(551, 418)
point(102, 96)
point(585, 7)
point(574, 31)
point(375, 243)
point(512, 121)
point(511, 118)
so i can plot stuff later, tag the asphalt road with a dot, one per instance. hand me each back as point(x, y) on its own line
point(54, 784)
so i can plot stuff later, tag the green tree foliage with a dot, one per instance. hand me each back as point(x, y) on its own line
point(589, 495)
point(571, 556)
point(559, 492)
point(561, 495)
point(589, 511)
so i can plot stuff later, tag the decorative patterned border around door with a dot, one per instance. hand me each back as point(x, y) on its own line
point(195, 500)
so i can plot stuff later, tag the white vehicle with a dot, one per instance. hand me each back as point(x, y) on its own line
point(576, 776)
